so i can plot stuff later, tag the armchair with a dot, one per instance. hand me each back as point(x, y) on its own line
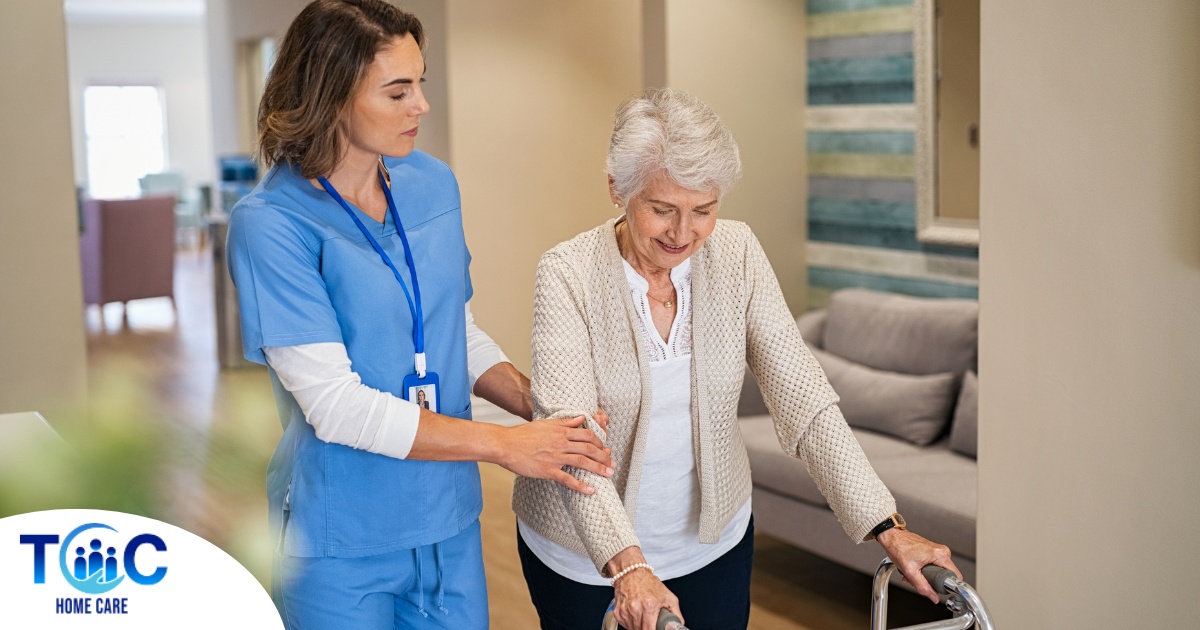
point(127, 249)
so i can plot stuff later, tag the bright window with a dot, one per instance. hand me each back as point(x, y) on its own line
point(126, 138)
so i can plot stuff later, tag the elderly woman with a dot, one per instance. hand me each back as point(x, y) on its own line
point(653, 316)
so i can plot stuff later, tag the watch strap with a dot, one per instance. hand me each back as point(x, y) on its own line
point(895, 520)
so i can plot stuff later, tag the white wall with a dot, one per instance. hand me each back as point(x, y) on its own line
point(230, 22)
point(42, 353)
point(533, 87)
point(1090, 313)
point(747, 60)
point(171, 56)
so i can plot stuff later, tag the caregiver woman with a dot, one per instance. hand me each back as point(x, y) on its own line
point(352, 277)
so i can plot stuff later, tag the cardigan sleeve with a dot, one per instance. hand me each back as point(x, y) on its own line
point(808, 422)
point(563, 381)
point(836, 462)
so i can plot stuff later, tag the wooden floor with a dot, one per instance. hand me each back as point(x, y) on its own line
point(223, 427)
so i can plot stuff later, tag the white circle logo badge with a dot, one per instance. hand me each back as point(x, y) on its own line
point(93, 568)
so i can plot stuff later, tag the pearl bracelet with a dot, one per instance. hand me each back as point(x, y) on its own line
point(630, 568)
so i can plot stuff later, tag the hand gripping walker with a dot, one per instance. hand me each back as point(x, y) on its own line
point(959, 597)
point(666, 619)
point(969, 610)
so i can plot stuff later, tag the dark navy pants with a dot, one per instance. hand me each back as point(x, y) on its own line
point(716, 597)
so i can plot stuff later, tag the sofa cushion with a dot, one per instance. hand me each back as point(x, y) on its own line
point(910, 407)
point(772, 468)
point(964, 429)
point(894, 332)
point(934, 487)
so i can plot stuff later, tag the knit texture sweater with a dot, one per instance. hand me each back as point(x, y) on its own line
point(588, 354)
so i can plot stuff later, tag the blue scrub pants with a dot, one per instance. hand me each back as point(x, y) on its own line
point(436, 586)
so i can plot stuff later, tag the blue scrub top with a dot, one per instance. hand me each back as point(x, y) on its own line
point(306, 274)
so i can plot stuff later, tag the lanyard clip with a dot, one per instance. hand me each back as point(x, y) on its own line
point(420, 361)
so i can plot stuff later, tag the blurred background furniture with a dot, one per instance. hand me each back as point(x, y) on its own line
point(229, 325)
point(127, 249)
point(189, 222)
point(239, 175)
point(905, 370)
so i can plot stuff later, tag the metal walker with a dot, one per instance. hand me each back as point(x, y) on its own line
point(962, 600)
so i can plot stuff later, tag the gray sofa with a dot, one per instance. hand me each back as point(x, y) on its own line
point(904, 368)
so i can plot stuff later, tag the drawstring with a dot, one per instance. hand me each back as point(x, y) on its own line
point(420, 584)
point(441, 592)
point(441, 586)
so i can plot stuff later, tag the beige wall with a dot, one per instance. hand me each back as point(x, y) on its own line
point(231, 22)
point(532, 94)
point(434, 138)
point(1090, 313)
point(747, 60)
point(533, 86)
point(42, 360)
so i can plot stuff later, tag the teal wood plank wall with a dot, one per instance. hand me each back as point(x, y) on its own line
point(861, 205)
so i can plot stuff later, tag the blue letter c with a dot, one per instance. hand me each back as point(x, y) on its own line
point(131, 566)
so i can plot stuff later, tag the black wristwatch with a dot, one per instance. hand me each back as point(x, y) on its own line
point(895, 520)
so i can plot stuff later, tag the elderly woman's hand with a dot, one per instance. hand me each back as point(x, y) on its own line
point(911, 553)
point(639, 593)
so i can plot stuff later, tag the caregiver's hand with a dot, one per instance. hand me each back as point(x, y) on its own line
point(541, 449)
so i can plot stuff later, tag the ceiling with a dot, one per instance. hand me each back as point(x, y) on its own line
point(133, 10)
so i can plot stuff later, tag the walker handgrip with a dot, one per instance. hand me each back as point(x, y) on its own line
point(937, 577)
point(668, 621)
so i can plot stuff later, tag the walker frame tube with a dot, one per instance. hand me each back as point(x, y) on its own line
point(969, 610)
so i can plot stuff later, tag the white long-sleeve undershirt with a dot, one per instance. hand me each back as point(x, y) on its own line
point(344, 411)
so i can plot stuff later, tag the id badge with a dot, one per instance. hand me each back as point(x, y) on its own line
point(422, 392)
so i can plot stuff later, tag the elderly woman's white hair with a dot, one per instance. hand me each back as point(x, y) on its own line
point(664, 129)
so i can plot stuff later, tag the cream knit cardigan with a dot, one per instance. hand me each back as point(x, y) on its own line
point(587, 354)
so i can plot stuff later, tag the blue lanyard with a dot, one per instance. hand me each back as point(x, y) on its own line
point(413, 308)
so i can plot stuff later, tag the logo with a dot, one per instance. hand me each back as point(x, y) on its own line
point(93, 561)
point(78, 569)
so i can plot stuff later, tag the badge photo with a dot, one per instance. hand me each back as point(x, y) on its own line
point(422, 392)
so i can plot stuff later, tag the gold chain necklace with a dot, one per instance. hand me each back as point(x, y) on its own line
point(668, 303)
